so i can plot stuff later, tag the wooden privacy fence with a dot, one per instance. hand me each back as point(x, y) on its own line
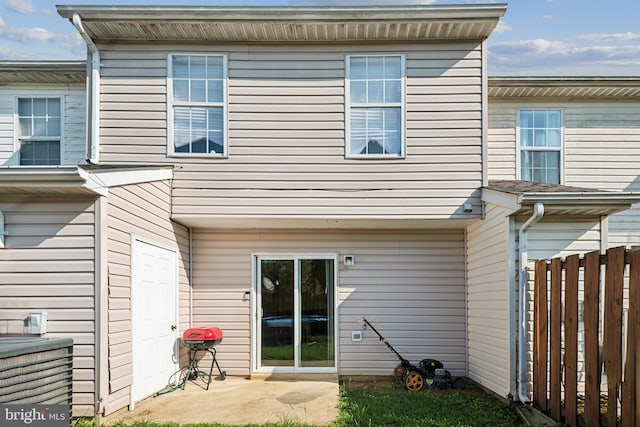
point(556, 346)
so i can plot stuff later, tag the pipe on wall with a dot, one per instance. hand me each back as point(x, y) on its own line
point(538, 212)
point(93, 97)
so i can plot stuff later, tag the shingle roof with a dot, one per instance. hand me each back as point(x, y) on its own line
point(522, 187)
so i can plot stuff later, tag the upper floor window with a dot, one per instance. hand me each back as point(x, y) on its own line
point(375, 105)
point(197, 105)
point(540, 145)
point(39, 131)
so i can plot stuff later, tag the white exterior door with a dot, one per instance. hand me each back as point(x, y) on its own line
point(154, 289)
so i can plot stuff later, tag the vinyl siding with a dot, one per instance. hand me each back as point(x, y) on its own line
point(490, 301)
point(409, 284)
point(602, 150)
point(73, 126)
point(142, 210)
point(48, 265)
point(286, 118)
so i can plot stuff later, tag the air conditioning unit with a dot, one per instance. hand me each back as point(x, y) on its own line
point(36, 370)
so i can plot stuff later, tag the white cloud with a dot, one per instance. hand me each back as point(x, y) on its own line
point(548, 16)
point(45, 42)
point(603, 37)
point(24, 6)
point(502, 27)
point(549, 56)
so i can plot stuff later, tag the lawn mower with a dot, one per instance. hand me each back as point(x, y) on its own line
point(430, 372)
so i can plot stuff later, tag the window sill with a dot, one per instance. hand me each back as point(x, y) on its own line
point(375, 157)
point(197, 156)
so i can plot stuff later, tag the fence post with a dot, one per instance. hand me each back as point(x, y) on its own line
point(612, 342)
point(571, 340)
point(555, 339)
point(540, 335)
point(591, 345)
point(630, 394)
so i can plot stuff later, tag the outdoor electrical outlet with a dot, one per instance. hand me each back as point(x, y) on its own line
point(356, 336)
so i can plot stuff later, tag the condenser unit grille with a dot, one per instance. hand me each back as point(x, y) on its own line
point(36, 371)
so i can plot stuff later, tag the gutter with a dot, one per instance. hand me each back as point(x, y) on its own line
point(538, 212)
point(93, 94)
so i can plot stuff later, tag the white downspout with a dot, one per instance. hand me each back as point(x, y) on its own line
point(93, 131)
point(538, 212)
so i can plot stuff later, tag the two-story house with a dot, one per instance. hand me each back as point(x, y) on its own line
point(281, 172)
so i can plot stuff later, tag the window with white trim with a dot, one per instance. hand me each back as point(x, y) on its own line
point(375, 105)
point(197, 111)
point(39, 131)
point(540, 145)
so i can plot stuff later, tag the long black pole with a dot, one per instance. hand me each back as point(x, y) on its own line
point(402, 359)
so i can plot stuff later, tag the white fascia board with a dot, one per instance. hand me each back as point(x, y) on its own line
point(44, 177)
point(507, 200)
point(286, 13)
point(586, 198)
point(115, 178)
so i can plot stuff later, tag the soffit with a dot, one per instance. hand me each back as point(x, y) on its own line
point(619, 88)
point(49, 72)
point(519, 197)
point(288, 24)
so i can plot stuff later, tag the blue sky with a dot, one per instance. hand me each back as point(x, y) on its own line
point(535, 37)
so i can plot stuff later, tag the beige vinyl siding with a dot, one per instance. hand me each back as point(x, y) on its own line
point(602, 150)
point(73, 126)
point(48, 265)
point(141, 210)
point(286, 118)
point(489, 301)
point(501, 135)
point(409, 284)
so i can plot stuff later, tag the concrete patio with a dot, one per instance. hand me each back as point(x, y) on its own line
point(240, 401)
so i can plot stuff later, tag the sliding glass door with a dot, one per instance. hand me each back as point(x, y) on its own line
point(296, 314)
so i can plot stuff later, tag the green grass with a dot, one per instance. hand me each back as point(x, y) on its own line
point(385, 404)
point(397, 407)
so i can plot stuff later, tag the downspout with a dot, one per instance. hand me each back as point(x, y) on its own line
point(538, 212)
point(190, 277)
point(93, 132)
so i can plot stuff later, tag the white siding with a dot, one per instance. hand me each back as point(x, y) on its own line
point(287, 130)
point(410, 284)
point(602, 150)
point(48, 265)
point(142, 210)
point(73, 138)
point(489, 301)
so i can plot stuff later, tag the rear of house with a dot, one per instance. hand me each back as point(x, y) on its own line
point(282, 172)
point(325, 169)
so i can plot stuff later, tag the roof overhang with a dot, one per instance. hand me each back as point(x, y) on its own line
point(50, 72)
point(287, 23)
point(318, 223)
point(569, 204)
point(618, 88)
point(75, 180)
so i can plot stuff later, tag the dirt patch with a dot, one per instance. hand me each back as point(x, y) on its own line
point(392, 383)
point(377, 383)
